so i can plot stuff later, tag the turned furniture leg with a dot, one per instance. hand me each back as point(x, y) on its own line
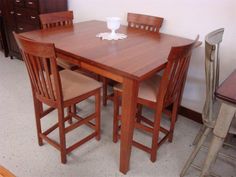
point(129, 101)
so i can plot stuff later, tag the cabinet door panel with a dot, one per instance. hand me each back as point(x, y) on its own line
point(24, 27)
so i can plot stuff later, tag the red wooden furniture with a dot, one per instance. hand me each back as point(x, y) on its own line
point(5, 173)
point(58, 90)
point(139, 21)
point(52, 20)
point(128, 61)
point(159, 93)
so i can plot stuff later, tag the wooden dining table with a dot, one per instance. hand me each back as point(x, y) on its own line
point(128, 61)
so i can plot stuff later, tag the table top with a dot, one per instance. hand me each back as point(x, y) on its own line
point(143, 53)
point(227, 90)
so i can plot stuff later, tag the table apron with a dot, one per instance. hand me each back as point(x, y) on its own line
point(91, 67)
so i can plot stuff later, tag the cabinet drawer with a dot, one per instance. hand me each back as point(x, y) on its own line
point(24, 27)
point(27, 15)
point(20, 14)
point(33, 17)
point(19, 3)
point(31, 4)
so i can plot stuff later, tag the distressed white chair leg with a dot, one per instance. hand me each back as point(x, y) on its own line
point(215, 146)
point(202, 139)
point(220, 131)
point(199, 135)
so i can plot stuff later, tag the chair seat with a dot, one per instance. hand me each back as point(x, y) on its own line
point(75, 84)
point(147, 88)
point(64, 64)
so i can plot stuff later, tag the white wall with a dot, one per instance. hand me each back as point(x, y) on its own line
point(185, 18)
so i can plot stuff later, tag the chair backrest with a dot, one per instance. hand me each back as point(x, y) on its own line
point(212, 43)
point(55, 19)
point(145, 22)
point(40, 60)
point(175, 73)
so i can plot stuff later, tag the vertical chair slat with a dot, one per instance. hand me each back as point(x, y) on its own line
point(36, 74)
point(41, 75)
point(48, 79)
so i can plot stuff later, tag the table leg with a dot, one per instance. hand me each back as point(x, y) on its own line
point(129, 102)
point(220, 131)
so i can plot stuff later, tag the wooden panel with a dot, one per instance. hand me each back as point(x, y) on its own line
point(52, 6)
point(27, 16)
point(24, 27)
point(22, 15)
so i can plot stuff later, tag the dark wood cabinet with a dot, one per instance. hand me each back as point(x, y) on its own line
point(23, 15)
point(3, 40)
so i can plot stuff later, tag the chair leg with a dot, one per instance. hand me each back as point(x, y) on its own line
point(115, 119)
point(139, 113)
point(62, 134)
point(104, 89)
point(200, 133)
point(156, 131)
point(98, 112)
point(173, 120)
point(215, 146)
point(69, 111)
point(38, 107)
point(195, 151)
point(220, 131)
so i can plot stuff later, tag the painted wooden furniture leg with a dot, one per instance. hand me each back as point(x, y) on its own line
point(129, 101)
point(220, 131)
point(199, 135)
point(195, 151)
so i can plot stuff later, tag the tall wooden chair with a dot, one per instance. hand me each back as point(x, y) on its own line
point(161, 94)
point(145, 22)
point(140, 21)
point(58, 90)
point(56, 19)
point(212, 106)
